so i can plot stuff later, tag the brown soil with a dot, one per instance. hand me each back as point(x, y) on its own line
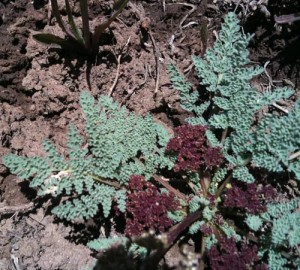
point(40, 87)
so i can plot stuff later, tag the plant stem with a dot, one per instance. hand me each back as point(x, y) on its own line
point(73, 25)
point(201, 266)
point(294, 155)
point(224, 134)
point(173, 235)
point(169, 187)
point(287, 18)
point(59, 20)
point(107, 182)
point(205, 183)
point(85, 23)
point(220, 189)
point(226, 181)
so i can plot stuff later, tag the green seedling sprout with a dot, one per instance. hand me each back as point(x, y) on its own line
point(84, 41)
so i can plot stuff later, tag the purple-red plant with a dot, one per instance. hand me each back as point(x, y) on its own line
point(250, 197)
point(229, 255)
point(147, 208)
point(192, 149)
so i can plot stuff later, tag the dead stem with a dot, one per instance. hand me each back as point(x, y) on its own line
point(280, 108)
point(287, 18)
point(201, 267)
point(227, 180)
point(169, 187)
point(224, 134)
point(107, 182)
point(181, 26)
point(7, 209)
point(118, 67)
point(117, 76)
point(220, 189)
point(173, 235)
point(295, 155)
point(156, 54)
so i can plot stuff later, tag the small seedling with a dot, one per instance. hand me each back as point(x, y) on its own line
point(85, 42)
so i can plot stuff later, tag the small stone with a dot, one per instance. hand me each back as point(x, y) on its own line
point(3, 170)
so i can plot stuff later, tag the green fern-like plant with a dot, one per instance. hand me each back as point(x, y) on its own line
point(271, 142)
point(283, 219)
point(97, 168)
point(276, 142)
point(233, 101)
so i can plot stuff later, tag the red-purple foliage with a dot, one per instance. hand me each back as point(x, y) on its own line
point(206, 229)
point(229, 255)
point(250, 197)
point(146, 208)
point(193, 151)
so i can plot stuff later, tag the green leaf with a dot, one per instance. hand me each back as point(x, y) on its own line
point(254, 222)
point(73, 25)
point(49, 39)
point(70, 44)
point(56, 14)
point(103, 244)
point(242, 174)
point(85, 23)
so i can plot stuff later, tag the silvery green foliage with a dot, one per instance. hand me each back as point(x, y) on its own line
point(197, 202)
point(275, 139)
point(284, 221)
point(218, 177)
point(117, 137)
point(230, 231)
point(138, 251)
point(128, 251)
point(176, 216)
point(104, 244)
point(209, 213)
point(119, 144)
point(233, 101)
point(291, 232)
point(210, 241)
point(276, 261)
point(254, 222)
point(120, 252)
point(196, 226)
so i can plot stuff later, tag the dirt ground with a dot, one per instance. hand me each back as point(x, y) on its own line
point(40, 87)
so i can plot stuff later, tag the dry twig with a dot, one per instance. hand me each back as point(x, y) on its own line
point(118, 69)
point(295, 155)
point(169, 187)
point(117, 76)
point(7, 209)
point(156, 54)
point(287, 18)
